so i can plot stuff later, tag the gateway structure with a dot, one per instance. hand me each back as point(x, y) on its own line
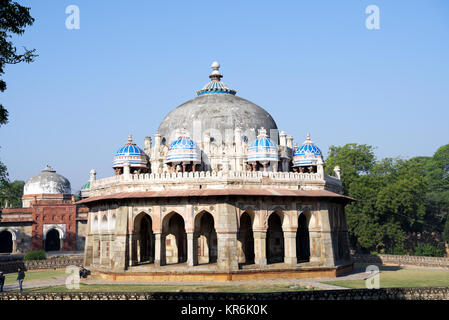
point(218, 193)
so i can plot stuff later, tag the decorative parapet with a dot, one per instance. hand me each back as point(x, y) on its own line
point(174, 180)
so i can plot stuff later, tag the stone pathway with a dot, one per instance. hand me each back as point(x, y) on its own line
point(59, 281)
point(316, 283)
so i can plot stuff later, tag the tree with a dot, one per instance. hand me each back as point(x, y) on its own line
point(390, 194)
point(353, 159)
point(3, 174)
point(12, 192)
point(390, 203)
point(13, 20)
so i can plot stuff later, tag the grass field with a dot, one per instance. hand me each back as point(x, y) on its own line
point(389, 277)
point(169, 288)
point(35, 275)
point(400, 277)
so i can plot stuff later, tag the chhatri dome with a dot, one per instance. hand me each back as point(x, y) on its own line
point(218, 108)
point(183, 149)
point(130, 154)
point(263, 149)
point(307, 154)
point(47, 182)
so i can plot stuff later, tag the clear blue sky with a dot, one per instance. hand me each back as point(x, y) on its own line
point(312, 64)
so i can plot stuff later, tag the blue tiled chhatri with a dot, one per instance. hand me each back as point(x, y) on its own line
point(183, 149)
point(307, 154)
point(130, 153)
point(263, 149)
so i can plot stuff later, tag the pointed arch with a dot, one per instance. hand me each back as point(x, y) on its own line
point(275, 238)
point(143, 243)
point(302, 237)
point(245, 238)
point(94, 226)
point(104, 224)
point(174, 237)
point(6, 241)
point(205, 237)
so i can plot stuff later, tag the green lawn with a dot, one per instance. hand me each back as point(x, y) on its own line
point(399, 277)
point(35, 275)
point(169, 288)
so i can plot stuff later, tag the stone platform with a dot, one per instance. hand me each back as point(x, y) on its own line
point(208, 273)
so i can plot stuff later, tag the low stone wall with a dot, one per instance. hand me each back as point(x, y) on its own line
point(389, 259)
point(437, 293)
point(50, 263)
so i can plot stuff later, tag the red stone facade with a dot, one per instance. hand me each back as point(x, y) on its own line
point(47, 209)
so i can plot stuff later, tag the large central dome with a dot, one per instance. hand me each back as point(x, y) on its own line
point(218, 112)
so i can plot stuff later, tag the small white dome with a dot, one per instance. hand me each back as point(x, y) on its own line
point(47, 182)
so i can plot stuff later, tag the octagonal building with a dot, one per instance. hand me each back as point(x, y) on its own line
point(217, 194)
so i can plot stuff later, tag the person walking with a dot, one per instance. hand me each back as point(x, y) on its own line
point(20, 277)
point(2, 281)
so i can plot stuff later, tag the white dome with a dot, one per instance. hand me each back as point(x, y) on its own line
point(47, 182)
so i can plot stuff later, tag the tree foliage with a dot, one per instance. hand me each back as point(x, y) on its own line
point(353, 159)
point(395, 197)
point(13, 192)
point(14, 18)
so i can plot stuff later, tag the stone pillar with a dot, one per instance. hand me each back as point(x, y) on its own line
point(88, 244)
point(227, 259)
point(131, 250)
point(260, 254)
point(290, 146)
point(315, 246)
point(192, 260)
point(147, 148)
point(226, 228)
point(14, 246)
point(126, 170)
point(119, 248)
point(157, 250)
point(290, 247)
point(327, 253)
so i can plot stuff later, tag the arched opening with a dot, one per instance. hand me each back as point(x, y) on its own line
point(95, 225)
point(275, 239)
point(5, 242)
point(52, 242)
point(144, 239)
point(112, 223)
point(302, 240)
point(206, 238)
point(175, 240)
point(246, 240)
point(104, 224)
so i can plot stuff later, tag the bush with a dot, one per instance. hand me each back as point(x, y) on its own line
point(35, 255)
point(429, 250)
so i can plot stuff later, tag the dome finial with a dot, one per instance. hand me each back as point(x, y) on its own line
point(308, 140)
point(215, 65)
point(215, 75)
point(262, 132)
point(48, 168)
point(215, 86)
point(130, 138)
